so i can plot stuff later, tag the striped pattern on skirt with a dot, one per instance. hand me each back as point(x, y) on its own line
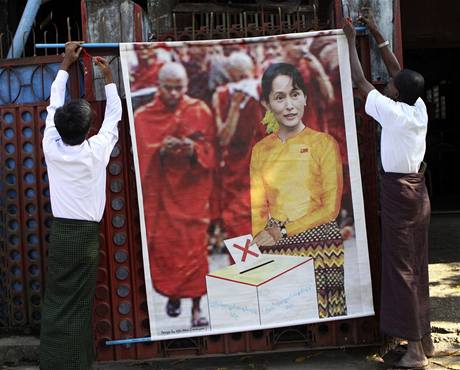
point(324, 244)
point(66, 338)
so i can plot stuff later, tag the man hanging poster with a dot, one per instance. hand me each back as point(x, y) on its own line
point(252, 141)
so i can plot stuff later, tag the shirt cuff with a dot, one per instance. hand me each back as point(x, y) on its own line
point(111, 90)
point(62, 75)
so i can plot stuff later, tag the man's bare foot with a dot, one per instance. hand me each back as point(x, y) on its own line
point(414, 358)
point(428, 346)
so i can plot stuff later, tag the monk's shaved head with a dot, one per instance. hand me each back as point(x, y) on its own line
point(240, 61)
point(239, 66)
point(172, 71)
point(173, 82)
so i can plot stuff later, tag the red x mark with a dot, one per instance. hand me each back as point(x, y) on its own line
point(245, 250)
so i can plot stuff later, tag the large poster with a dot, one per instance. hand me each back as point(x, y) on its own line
point(248, 179)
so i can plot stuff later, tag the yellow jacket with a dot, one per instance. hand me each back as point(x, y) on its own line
point(299, 181)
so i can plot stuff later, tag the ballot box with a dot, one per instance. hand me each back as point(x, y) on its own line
point(277, 292)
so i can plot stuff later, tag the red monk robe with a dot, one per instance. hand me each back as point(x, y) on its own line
point(235, 158)
point(313, 115)
point(176, 191)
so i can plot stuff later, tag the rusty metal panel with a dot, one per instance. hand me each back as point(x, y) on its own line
point(3, 254)
point(29, 163)
point(14, 270)
point(27, 209)
point(293, 337)
point(120, 271)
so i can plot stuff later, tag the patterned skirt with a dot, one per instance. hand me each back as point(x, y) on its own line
point(324, 244)
point(66, 336)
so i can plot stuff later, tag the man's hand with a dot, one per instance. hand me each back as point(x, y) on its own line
point(72, 53)
point(237, 98)
point(348, 29)
point(263, 239)
point(188, 145)
point(268, 237)
point(367, 17)
point(105, 69)
point(170, 144)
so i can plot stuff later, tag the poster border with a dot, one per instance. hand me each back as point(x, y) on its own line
point(354, 171)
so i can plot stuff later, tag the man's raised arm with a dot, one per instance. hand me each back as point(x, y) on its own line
point(113, 108)
point(58, 87)
point(107, 137)
point(391, 63)
point(357, 73)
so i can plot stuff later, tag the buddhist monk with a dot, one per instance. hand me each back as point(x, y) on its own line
point(175, 135)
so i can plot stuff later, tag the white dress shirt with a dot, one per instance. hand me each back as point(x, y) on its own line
point(404, 128)
point(77, 173)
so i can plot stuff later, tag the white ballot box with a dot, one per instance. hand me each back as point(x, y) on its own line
point(278, 292)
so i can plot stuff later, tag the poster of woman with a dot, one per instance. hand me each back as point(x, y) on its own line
point(252, 142)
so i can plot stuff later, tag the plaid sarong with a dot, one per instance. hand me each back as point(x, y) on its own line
point(66, 340)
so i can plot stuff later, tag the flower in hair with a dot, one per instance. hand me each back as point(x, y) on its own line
point(271, 122)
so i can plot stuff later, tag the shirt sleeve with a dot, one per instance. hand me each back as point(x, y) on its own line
point(330, 194)
point(259, 206)
point(383, 109)
point(57, 98)
point(103, 143)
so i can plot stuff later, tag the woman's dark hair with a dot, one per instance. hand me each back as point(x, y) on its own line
point(73, 120)
point(281, 69)
point(410, 85)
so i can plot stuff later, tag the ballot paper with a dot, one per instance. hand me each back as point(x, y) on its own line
point(246, 255)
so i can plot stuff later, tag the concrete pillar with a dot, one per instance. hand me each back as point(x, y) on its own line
point(159, 14)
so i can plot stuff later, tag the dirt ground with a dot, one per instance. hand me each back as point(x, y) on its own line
point(445, 288)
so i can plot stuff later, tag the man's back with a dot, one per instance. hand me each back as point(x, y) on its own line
point(404, 130)
point(77, 173)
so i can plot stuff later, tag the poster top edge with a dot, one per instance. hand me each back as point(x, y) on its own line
point(232, 41)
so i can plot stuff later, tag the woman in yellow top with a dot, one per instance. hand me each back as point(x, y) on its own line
point(296, 188)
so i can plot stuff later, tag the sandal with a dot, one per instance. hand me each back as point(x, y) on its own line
point(389, 345)
point(200, 321)
point(173, 308)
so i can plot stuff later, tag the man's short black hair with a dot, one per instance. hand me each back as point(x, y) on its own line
point(73, 120)
point(410, 85)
